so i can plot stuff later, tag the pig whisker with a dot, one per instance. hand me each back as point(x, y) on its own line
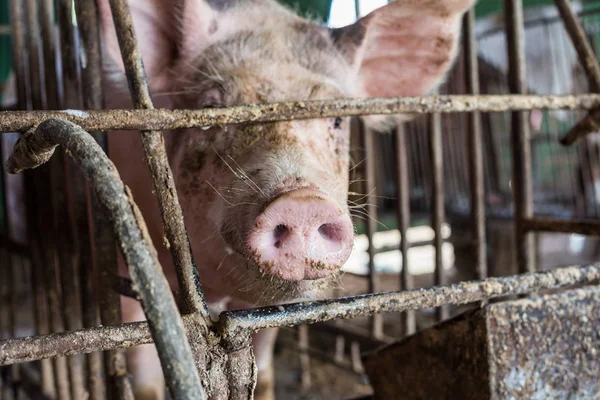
point(222, 260)
point(356, 206)
point(220, 195)
point(225, 200)
point(208, 238)
point(212, 75)
point(350, 182)
point(366, 216)
point(356, 165)
point(237, 174)
point(370, 194)
point(246, 175)
point(336, 282)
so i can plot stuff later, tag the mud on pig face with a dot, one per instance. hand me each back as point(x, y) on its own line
point(277, 192)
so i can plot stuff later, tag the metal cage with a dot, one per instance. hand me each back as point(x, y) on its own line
point(70, 247)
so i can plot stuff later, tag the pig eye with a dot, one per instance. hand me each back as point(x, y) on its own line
point(337, 124)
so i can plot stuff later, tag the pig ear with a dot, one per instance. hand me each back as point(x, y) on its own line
point(167, 32)
point(153, 21)
point(404, 48)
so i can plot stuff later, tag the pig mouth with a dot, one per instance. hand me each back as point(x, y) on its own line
point(274, 290)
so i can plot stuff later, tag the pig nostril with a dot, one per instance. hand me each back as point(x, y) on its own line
point(328, 232)
point(280, 233)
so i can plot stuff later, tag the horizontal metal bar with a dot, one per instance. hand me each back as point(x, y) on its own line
point(232, 323)
point(590, 228)
point(161, 119)
point(237, 323)
point(76, 342)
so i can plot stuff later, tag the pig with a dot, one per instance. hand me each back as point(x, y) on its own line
point(265, 205)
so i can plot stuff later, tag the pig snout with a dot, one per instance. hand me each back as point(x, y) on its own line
point(302, 234)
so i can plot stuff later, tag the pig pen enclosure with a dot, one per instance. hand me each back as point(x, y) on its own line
point(495, 183)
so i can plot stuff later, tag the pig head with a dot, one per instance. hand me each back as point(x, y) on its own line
point(265, 205)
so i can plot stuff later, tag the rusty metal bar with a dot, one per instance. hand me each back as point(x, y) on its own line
point(68, 343)
point(161, 119)
point(370, 167)
point(35, 148)
point(104, 258)
point(233, 323)
point(475, 148)
point(587, 58)
point(437, 202)
point(409, 321)
point(520, 143)
point(589, 124)
point(83, 310)
point(192, 298)
point(590, 228)
point(589, 61)
point(68, 290)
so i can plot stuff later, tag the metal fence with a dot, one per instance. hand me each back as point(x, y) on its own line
point(66, 227)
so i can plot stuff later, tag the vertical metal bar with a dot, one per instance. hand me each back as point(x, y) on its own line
point(40, 253)
point(104, 256)
point(340, 344)
point(71, 204)
point(35, 55)
point(437, 201)
point(91, 75)
point(38, 183)
point(17, 24)
point(355, 358)
point(13, 307)
point(303, 345)
point(7, 288)
point(46, 223)
point(185, 381)
point(368, 139)
point(586, 54)
point(520, 136)
point(6, 373)
point(162, 176)
point(49, 46)
point(475, 148)
point(409, 321)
